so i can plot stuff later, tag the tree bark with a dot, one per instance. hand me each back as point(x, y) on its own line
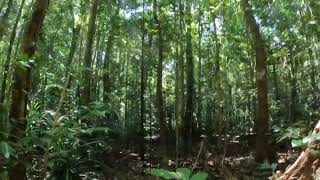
point(200, 106)
point(263, 151)
point(159, 89)
point(4, 19)
point(108, 55)
point(22, 82)
point(142, 87)
point(87, 72)
point(179, 83)
point(188, 119)
point(8, 58)
point(307, 163)
point(2, 5)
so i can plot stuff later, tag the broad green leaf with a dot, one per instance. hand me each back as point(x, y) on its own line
point(199, 176)
point(184, 172)
point(165, 174)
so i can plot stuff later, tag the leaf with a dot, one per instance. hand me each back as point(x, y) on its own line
point(274, 167)
point(164, 174)
point(199, 176)
point(184, 172)
point(297, 142)
point(6, 150)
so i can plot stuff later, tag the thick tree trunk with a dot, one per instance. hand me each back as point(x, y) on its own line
point(87, 72)
point(4, 19)
point(307, 163)
point(8, 58)
point(179, 84)
point(159, 89)
point(22, 82)
point(263, 151)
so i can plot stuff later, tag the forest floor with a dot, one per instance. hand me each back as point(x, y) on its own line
point(238, 162)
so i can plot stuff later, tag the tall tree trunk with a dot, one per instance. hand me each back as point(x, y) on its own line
point(87, 72)
point(108, 55)
point(8, 58)
point(22, 82)
point(188, 119)
point(218, 97)
point(200, 106)
point(275, 81)
point(294, 88)
point(159, 89)
point(142, 87)
point(74, 43)
point(4, 19)
point(263, 150)
point(179, 83)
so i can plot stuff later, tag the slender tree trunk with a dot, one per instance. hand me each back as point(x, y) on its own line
point(22, 82)
point(87, 72)
point(73, 48)
point(263, 150)
point(108, 55)
point(293, 86)
point(4, 19)
point(188, 119)
point(74, 43)
point(8, 58)
point(220, 115)
point(142, 87)
point(200, 106)
point(159, 89)
point(275, 81)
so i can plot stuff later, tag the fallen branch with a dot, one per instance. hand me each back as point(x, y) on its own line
point(307, 163)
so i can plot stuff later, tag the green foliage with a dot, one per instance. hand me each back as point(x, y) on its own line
point(180, 174)
point(6, 150)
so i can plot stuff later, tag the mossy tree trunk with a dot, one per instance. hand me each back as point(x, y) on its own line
point(87, 72)
point(22, 82)
point(4, 19)
point(8, 58)
point(188, 118)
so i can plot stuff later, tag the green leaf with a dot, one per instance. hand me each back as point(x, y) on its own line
point(184, 172)
point(274, 167)
point(165, 174)
point(6, 150)
point(199, 176)
point(297, 142)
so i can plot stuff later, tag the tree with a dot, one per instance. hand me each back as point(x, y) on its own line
point(8, 58)
point(4, 19)
point(263, 150)
point(87, 72)
point(142, 85)
point(160, 103)
point(22, 82)
point(188, 118)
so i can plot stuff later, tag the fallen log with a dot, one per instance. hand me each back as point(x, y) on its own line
point(305, 167)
